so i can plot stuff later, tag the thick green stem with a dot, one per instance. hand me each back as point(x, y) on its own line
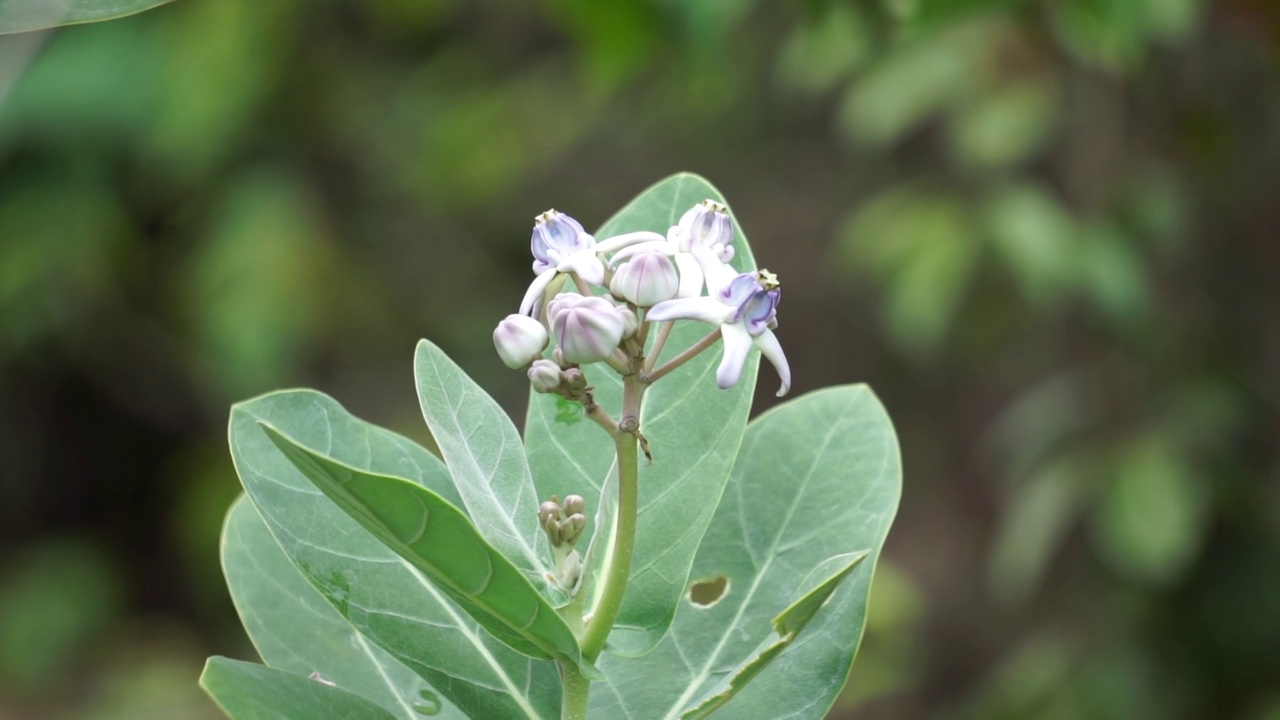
point(576, 687)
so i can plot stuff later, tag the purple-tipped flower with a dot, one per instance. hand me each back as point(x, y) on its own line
point(704, 229)
point(745, 307)
point(587, 328)
point(559, 245)
point(646, 279)
point(519, 340)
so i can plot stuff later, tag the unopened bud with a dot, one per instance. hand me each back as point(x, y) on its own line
point(646, 279)
point(574, 504)
point(708, 225)
point(519, 340)
point(544, 375)
point(573, 526)
point(587, 328)
point(548, 511)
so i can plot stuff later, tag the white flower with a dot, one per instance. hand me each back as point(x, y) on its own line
point(745, 307)
point(544, 376)
point(705, 226)
point(519, 340)
point(559, 245)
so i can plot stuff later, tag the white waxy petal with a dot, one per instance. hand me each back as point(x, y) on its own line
point(772, 349)
point(737, 345)
point(532, 302)
point(618, 242)
point(519, 340)
point(663, 247)
point(705, 309)
point(717, 274)
point(587, 264)
point(646, 279)
point(690, 276)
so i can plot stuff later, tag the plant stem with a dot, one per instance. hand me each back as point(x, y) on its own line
point(576, 687)
point(683, 357)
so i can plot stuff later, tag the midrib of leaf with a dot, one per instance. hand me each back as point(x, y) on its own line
point(364, 647)
point(532, 564)
point(704, 673)
point(475, 640)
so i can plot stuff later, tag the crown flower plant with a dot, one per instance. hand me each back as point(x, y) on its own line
point(698, 565)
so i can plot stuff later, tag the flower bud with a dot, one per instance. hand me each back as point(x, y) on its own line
point(707, 224)
point(646, 279)
point(519, 340)
point(574, 505)
point(544, 376)
point(587, 328)
point(548, 511)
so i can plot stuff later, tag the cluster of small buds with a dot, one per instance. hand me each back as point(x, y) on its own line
point(626, 281)
point(563, 524)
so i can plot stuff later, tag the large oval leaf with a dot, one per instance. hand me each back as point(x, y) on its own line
point(438, 539)
point(817, 477)
point(247, 691)
point(384, 597)
point(24, 15)
point(296, 630)
point(693, 427)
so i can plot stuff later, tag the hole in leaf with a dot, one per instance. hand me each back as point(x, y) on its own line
point(705, 593)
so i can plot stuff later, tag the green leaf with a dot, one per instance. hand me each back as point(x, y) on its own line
point(817, 477)
point(788, 624)
point(438, 539)
point(487, 462)
point(247, 691)
point(296, 630)
point(383, 596)
point(694, 430)
point(24, 15)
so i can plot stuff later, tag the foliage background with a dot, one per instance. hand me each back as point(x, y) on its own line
point(1044, 232)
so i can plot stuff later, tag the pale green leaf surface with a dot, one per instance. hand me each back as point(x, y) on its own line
point(694, 430)
point(438, 539)
point(486, 459)
point(248, 691)
point(384, 597)
point(24, 15)
point(296, 630)
point(817, 477)
point(815, 591)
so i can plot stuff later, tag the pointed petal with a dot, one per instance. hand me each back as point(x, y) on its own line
point(705, 309)
point(617, 242)
point(772, 349)
point(690, 276)
point(737, 345)
point(531, 305)
point(587, 264)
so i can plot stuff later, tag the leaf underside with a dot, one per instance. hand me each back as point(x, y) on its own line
point(248, 691)
point(26, 15)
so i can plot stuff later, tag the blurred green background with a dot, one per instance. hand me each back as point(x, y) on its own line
point(1042, 231)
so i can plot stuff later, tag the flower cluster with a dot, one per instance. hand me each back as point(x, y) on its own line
point(621, 285)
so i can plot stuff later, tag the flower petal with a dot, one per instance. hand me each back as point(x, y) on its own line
point(705, 309)
point(531, 305)
point(662, 246)
point(617, 242)
point(737, 345)
point(587, 264)
point(772, 349)
point(690, 276)
point(718, 274)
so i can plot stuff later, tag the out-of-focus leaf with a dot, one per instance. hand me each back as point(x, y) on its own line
point(296, 630)
point(922, 246)
point(823, 51)
point(1036, 238)
point(254, 289)
point(1040, 420)
point(1159, 209)
point(890, 658)
point(816, 589)
point(915, 81)
point(1106, 33)
point(1171, 20)
point(1114, 275)
point(1033, 525)
point(385, 598)
point(693, 450)
point(25, 15)
point(618, 38)
point(1151, 517)
point(931, 15)
point(1006, 126)
point(247, 691)
point(55, 600)
point(817, 477)
point(438, 539)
